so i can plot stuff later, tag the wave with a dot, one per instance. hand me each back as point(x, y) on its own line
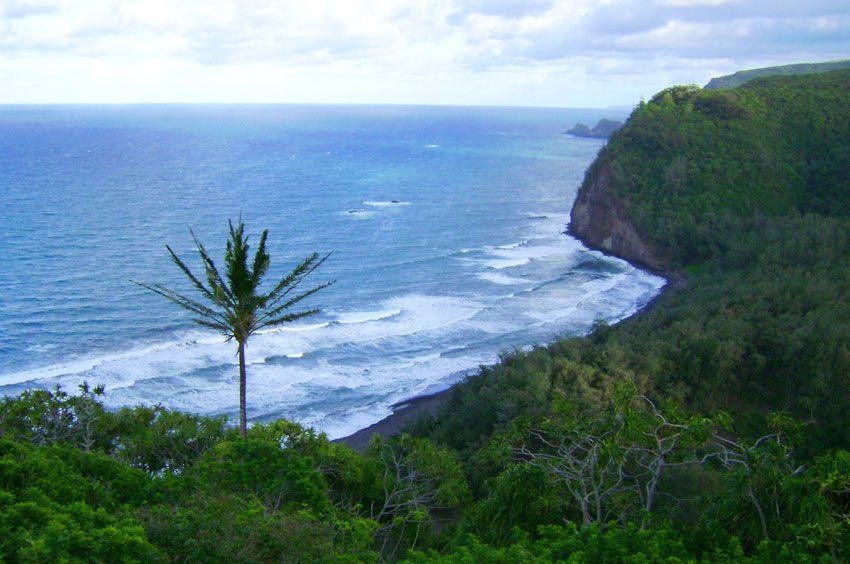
point(366, 316)
point(385, 204)
point(344, 371)
point(522, 243)
point(357, 213)
point(297, 327)
point(502, 279)
point(501, 264)
point(388, 354)
point(87, 364)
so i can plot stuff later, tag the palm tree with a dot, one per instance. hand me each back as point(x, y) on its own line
point(237, 308)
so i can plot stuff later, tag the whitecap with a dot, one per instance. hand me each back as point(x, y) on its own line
point(501, 264)
point(357, 213)
point(513, 245)
point(385, 204)
point(298, 328)
point(366, 316)
point(501, 279)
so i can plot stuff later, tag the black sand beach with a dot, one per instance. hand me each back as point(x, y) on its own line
point(403, 413)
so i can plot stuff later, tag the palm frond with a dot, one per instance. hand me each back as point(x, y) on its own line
point(288, 318)
point(261, 260)
point(215, 280)
point(182, 266)
point(291, 281)
point(220, 327)
point(237, 310)
point(275, 311)
point(184, 302)
point(236, 264)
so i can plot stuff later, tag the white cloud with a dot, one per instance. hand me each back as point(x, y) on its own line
point(441, 51)
point(691, 3)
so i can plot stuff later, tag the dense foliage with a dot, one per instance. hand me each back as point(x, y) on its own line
point(80, 483)
point(710, 428)
point(747, 194)
point(696, 168)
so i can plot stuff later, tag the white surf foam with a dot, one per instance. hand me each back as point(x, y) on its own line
point(89, 364)
point(385, 204)
point(315, 372)
point(502, 279)
point(356, 213)
point(501, 264)
point(366, 316)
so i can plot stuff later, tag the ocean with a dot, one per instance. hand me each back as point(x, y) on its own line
point(446, 227)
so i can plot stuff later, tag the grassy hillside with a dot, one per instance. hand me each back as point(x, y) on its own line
point(740, 77)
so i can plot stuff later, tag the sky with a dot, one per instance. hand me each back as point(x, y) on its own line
point(560, 53)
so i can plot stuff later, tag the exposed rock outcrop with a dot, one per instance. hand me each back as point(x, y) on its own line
point(598, 218)
point(603, 129)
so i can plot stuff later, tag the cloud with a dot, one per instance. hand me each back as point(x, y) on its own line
point(509, 9)
point(435, 43)
point(19, 9)
point(630, 29)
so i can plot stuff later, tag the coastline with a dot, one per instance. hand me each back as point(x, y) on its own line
point(404, 412)
point(407, 411)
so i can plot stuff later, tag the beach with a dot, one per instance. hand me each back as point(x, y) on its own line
point(403, 414)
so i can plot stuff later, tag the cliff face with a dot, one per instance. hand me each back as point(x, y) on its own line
point(598, 218)
point(603, 129)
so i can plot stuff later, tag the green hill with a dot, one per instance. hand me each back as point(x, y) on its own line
point(745, 194)
point(712, 427)
point(740, 77)
point(747, 191)
point(692, 167)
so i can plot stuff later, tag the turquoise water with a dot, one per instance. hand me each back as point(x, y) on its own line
point(445, 225)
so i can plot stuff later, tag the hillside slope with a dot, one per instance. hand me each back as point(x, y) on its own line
point(692, 166)
point(740, 77)
point(747, 193)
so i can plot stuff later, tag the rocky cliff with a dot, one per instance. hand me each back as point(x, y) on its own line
point(598, 219)
point(603, 129)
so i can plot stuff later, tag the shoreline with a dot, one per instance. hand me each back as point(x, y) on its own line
point(407, 411)
point(404, 412)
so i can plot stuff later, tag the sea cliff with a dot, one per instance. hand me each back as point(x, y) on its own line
point(600, 220)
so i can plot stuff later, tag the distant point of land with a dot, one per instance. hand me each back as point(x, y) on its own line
point(603, 130)
point(740, 77)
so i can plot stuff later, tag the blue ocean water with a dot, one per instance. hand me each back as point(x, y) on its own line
point(445, 225)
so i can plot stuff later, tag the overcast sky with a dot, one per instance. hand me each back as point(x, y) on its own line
point(568, 53)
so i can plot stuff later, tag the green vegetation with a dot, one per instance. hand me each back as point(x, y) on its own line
point(238, 309)
point(80, 483)
point(747, 194)
point(740, 77)
point(696, 168)
point(713, 427)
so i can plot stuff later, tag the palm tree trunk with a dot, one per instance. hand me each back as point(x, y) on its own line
point(243, 420)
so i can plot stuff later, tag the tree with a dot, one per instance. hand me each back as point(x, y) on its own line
point(238, 309)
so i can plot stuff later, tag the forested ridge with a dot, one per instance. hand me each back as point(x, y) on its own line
point(712, 427)
point(741, 77)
